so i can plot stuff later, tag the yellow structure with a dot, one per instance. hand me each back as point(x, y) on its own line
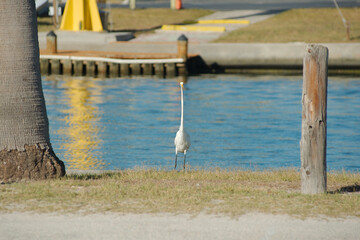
point(81, 15)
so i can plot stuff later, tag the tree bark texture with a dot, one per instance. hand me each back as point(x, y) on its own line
point(313, 131)
point(24, 128)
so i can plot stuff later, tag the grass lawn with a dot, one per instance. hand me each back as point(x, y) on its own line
point(151, 18)
point(139, 19)
point(300, 25)
point(297, 25)
point(231, 193)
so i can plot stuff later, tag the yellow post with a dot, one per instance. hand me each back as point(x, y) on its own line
point(81, 15)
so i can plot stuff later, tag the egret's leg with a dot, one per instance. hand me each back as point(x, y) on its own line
point(175, 159)
point(184, 158)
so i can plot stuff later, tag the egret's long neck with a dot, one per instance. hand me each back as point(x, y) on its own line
point(182, 110)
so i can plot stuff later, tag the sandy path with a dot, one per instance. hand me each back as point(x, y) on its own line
point(164, 226)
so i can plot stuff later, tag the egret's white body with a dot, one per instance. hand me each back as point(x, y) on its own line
point(182, 138)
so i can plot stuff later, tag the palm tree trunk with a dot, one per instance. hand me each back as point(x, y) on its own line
point(25, 149)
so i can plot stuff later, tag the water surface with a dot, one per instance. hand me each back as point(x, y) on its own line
point(234, 121)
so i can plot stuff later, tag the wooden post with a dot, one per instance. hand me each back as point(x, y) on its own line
point(78, 68)
point(90, 68)
point(101, 69)
point(124, 69)
point(51, 42)
point(182, 47)
point(136, 69)
point(170, 70)
point(147, 69)
point(159, 69)
point(67, 66)
point(182, 52)
point(55, 66)
point(114, 69)
point(132, 4)
point(44, 66)
point(313, 130)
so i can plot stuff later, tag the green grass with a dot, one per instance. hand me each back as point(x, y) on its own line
point(224, 192)
point(151, 18)
point(139, 19)
point(300, 25)
point(297, 25)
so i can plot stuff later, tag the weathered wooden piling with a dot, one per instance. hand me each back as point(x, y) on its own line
point(147, 69)
point(182, 52)
point(44, 66)
point(182, 47)
point(170, 69)
point(78, 68)
point(55, 66)
point(51, 42)
point(113, 69)
point(101, 69)
point(136, 69)
point(66, 67)
point(159, 69)
point(313, 130)
point(124, 69)
point(90, 68)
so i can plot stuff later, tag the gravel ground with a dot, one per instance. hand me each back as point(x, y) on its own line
point(167, 226)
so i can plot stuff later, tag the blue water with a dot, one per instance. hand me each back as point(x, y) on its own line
point(234, 121)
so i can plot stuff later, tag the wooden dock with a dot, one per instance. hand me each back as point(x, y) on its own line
point(113, 64)
point(104, 66)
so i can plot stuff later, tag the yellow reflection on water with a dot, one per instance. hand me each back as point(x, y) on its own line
point(82, 150)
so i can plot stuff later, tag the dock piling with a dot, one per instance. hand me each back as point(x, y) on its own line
point(66, 67)
point(78, 68)
point(51, 42)
point(90, 68)
point(159, 70)
point(135, 69)
point(101, 69)
point(314, 125)
point(147, 69)
point(44, 66)
point(114, 69)
point(55, 66)
point(124, 69)
point(182, 52)
point(170, 69)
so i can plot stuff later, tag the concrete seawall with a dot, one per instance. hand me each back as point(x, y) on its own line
point(274, 55)
point(343, 57)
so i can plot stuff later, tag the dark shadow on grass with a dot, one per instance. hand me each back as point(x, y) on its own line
point(347, 189)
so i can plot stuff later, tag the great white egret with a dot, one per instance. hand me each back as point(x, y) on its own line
point(182, 139)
